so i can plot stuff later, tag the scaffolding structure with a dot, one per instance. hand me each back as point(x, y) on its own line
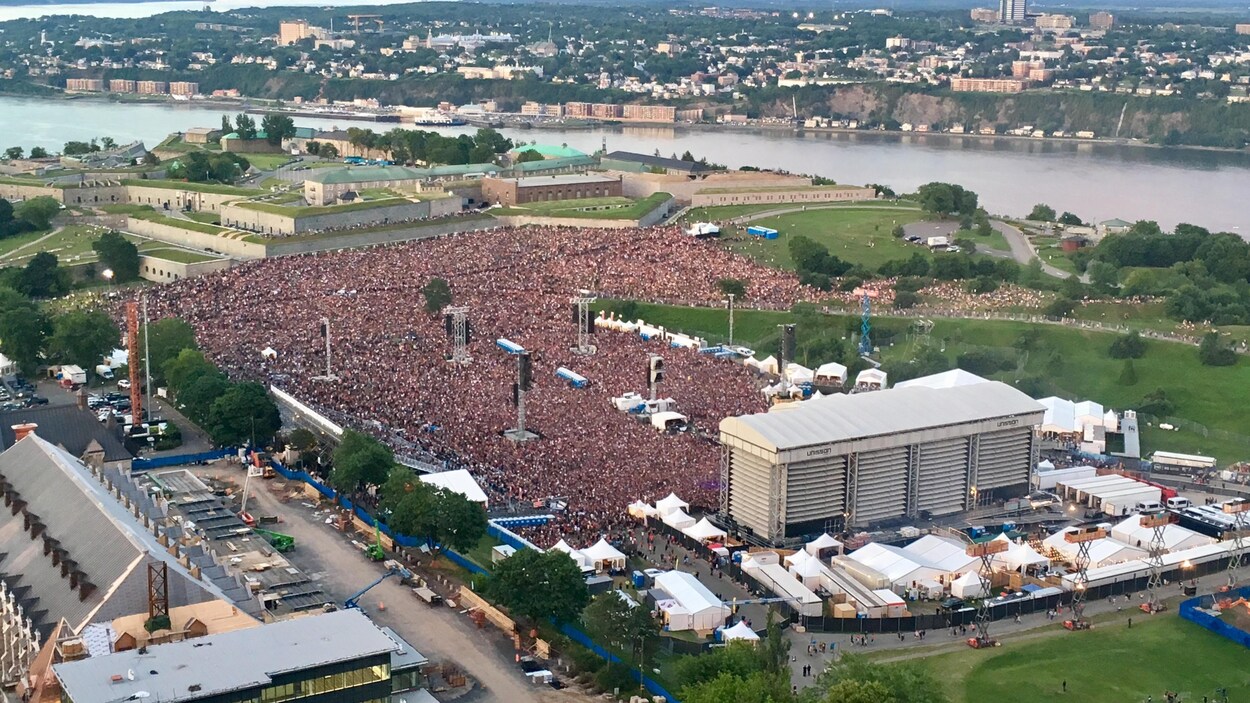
point(985, 551)
point(524, 382)
point(457, 318)
point(1080, 582)
point(1236, 508)
point(325, 334)
point(585, 321)
point(865, 320)
point(1154, 558)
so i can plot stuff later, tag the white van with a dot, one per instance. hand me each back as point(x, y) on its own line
point(1149, 506)
point(1178, 503)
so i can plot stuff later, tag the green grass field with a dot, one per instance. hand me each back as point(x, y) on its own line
point(1070, 362)
point(612, 208)
point(1048, 250)
point(1108, 664)
point(72, 245)
point(183, 256)
point(267, 162)
point(856, 235)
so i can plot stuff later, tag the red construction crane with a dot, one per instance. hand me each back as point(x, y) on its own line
point(132, 359)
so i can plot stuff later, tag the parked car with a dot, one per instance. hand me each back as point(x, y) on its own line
point(124, 384)
point(38, 400)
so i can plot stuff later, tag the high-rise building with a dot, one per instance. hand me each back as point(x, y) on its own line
point(1054, 23)
point(292, 31)
point(1101, 20)
point(1242, 28)
point(1012, 11)
point(984, 14)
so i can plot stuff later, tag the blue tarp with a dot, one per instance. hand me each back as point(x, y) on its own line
point(157, 462)
point(575, 380)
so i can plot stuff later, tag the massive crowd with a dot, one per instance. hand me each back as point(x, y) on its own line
point(388, 354)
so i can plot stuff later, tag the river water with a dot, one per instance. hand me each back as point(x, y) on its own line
point(1095, 181)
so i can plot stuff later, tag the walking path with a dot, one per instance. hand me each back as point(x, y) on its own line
point(14, 253)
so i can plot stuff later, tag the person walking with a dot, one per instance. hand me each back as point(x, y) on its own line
point(1065, 685)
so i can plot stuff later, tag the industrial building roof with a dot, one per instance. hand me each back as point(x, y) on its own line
point(658, 161)
point(100, 537)
point(688, 591)
point(549, 151)
point(561, 180)
point(370, 174)
point(66, 426)
point(551, 164)
point(839, 418)
point(216, 664)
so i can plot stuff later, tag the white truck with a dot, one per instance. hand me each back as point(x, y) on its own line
point(72, 375)
point(1121, 504)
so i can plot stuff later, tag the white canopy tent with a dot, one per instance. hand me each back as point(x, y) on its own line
point(641, 509)
point(831, 374)
point(873, 379)
point(740, 631)
point(768, 364)
point(457, 481)
point(1018, 557)
point(705, 611)
point(704, 530)
point(582, 562)
point(797, 373)
point(809, 571)
point(970, 585)
point(1175, 537)
point(604, 557)
point(678, 520)
point(822, 543)
point(667, 505)
point(1102, 552)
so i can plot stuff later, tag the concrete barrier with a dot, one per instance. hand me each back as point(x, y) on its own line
point(196, 240)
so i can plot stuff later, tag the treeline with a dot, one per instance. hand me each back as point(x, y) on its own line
point(420, 146)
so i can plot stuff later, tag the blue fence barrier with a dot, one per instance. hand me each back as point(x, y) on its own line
point(1189, 610)
point(584, 640)
point(158, 462)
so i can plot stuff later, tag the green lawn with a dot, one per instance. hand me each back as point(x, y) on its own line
point(9, 244)
point(183, 256)
point(192, 187)
point(208, 218)
point(1108, 664)
point(267, 162)
point(995, 240)
point(312, 211)
point(71, 245)
point(1070, 362)
point(611, 208)
point(1048, 250)
point(125, 209)
point(178, 222)
point(858, 236)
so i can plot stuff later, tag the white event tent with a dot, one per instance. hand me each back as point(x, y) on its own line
point(740, 631)
point(704, 530)
point(666, 505)
point(604, 557)
point(678, 520)
point(693, 607)
point(1102, 552)
point(457, 481)
point(1175, 537)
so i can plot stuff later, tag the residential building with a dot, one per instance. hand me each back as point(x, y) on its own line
point(152, 88)
point(1102, 21)
point(94, 85)
point(122, 85)
point(184, 88)
point(988, 85)
point(535, 109)
point(984, 14)
point(340, 656)
point(518, 191)
point(1013, 11)
point(1242, 28)
point(201, 135)
point(649, 113)
point(669, 48)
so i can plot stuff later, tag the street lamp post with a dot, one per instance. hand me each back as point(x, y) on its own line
point(108, 276)
point(731, 319)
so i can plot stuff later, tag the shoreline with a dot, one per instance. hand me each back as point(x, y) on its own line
point(509, 120)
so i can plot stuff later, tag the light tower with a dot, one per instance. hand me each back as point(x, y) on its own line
point(1154, 558)
point(456, 320)
point(584, 321)
point(524, 383)
point(1237, 508)
point(985, 551)
point(865, 320)
point(325, 334)
point(1082, 538)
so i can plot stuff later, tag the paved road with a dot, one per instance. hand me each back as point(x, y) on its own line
point(1020, 244)
point(440, 633)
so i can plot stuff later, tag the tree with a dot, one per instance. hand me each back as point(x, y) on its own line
point(38, 212)
point(166, 338)
point(458, 522)
point(898, 232)
point(1128, 346)
point(727, 688)
point(244, 126)
point(277, 127)
point(360, 460)
point(944, 199)
point(14, 152)
point(733, 286)
point(623, 626)
point(1060, 307)
point(1042, 213)
point(1212, 351)
point(181, 370)
point(1103, 276)
point(119, 254)
point(1069, 219)
point(244, 413)
point(38, 152)
point(23, 334)
point(737, 659)
point(851, 691)
point(196, 398)
point(42, 277)
point(540, 585)
point(77, 148)
point(226, 127)
point(82, 337)
point(905, 682)
point(904, 300)
point(437, 294)
point(108, 143)
point(329, 151)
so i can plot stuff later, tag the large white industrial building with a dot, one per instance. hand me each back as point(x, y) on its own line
point(869, 458)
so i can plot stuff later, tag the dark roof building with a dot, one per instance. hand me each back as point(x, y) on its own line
point(77, 431)
point(341, 653)
point(630, 161)
point(70, 550)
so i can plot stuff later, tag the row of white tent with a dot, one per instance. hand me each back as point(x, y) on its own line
point(598, 557)
point(1128, 541)
point(931, 563)
point(671, 510)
